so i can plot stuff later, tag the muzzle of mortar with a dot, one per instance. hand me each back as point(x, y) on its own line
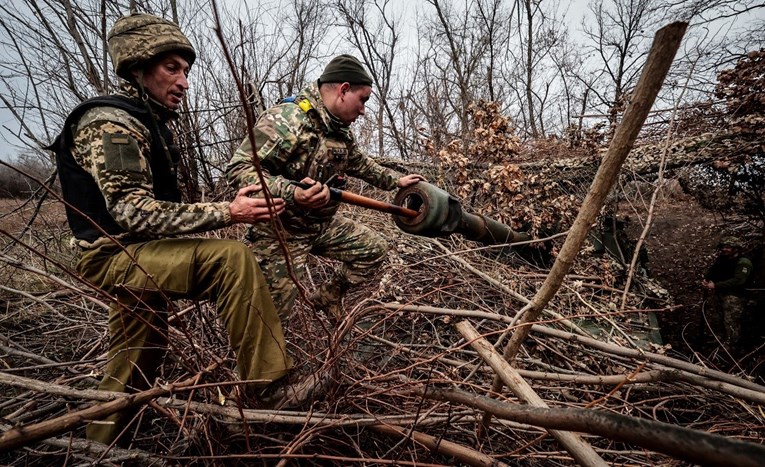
point(440, 215)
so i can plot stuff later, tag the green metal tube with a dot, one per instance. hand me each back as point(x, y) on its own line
point(440, 215)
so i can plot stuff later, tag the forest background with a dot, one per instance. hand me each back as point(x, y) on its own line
point(485, 97)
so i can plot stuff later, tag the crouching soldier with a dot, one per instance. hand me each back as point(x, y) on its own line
point(117, 165)
point(309, 140)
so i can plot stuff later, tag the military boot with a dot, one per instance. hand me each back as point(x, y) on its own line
point(329, 297)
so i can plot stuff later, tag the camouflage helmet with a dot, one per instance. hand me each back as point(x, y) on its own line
point(139, 37)
point(730, 241)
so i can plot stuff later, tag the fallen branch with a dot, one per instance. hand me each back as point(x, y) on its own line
point(20, 436)
point(562, 319)
point(463, 454)
point(574, 444)
point(729, 384)
point(693, 446)
point(116, 454)
point(663, 49)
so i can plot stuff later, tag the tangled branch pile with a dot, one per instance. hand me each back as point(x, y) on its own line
point(397, 342)
point(408, 371)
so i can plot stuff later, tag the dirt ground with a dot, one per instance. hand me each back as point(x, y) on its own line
point(681, 247)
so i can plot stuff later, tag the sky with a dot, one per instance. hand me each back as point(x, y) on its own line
point(574, 12)
point(406, 9)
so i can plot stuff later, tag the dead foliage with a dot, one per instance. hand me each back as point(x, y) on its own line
point(405, 385)
point(379, 357)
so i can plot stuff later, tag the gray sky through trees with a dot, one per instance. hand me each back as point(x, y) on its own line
point(565, 63)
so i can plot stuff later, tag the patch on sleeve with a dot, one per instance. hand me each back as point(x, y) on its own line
point(121, 153)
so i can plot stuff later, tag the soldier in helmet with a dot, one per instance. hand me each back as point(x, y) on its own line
point(309, 139)
point(117, 165)
point(726, 279)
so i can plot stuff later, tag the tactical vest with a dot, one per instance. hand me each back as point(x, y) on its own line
point(327, 157)
point(80, 190)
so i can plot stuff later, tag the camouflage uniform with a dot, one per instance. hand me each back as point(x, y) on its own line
point(730, 275)
point(145, 270)
point(294, 141)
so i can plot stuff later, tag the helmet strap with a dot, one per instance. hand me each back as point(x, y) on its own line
point(139, 85)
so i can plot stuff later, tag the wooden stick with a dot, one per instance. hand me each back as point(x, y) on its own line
point(22, 435)
point(663, 50)
point(693, 446)
point(707, 377)
point(441, 446)
point(581, 451)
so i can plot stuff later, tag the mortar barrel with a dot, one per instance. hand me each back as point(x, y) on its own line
point(440, 215)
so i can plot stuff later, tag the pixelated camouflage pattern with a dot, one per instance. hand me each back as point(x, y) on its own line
point(730, 274)
point(360, 251)
point(112, 146)
point(292, 144)
point(329, 297)
point(139, 37)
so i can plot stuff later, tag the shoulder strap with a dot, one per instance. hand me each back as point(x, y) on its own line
point(132, 106)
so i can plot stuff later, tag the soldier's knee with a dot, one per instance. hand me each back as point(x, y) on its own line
point(231, 247)
point(237, 258)
point(377, 248)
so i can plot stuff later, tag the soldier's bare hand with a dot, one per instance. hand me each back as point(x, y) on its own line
point(410, 179)
point(245, 209)
point(311, 198)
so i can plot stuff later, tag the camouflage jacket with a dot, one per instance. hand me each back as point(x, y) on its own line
point(302, 139)
point(114, 147)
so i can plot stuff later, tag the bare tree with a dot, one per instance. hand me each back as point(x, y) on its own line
point(618, 38)
point(376, 35)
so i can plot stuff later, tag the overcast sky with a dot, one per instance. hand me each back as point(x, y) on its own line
point(571, 11)
point(406, 11)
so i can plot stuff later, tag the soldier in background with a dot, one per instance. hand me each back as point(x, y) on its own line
point(726, 279)
point(309, 139)
point(117, 165)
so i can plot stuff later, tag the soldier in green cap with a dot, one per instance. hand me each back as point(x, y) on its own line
point(310, 140)
point(117, 165)
point(726, 279)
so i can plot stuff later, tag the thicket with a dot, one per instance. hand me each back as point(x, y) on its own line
point(14, 184)
point(407, 386)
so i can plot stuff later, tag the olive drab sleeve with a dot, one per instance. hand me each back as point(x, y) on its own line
point(278, 136)
point(740, 276)
point(112, 146)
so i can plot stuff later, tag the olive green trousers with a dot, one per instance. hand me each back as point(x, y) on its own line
point(224, 271)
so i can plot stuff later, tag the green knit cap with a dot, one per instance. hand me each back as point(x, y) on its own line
point(730, 241)
point(345, 69)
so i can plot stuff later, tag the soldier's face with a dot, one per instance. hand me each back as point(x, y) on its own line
point(165, 79)
point(726, 251)
point(353, 100)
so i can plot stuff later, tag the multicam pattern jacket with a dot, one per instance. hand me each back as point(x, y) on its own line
point(115, 148)
point(302, 139)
